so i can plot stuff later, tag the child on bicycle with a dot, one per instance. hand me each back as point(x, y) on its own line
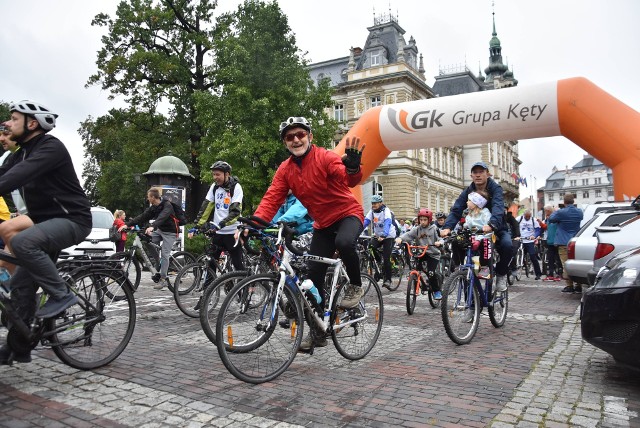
point(477, 217)
point(426, 234)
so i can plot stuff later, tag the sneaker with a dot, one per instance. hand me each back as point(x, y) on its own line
point(307, 342)
point(7, 356)
point(387, 284)
point(285, 323)
point(557, 278)
point(161, 284)
point(549, 278)
point(198, 305)
point(437, 295)
point(467, 316)
point(537, 278)
point(484, 273)
point(352, 296)
point(156, 278)
point(568, 289)
point(577, 289)
point(54, 306)
point(501, 283)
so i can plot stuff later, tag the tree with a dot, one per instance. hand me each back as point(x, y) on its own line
point(122, 144)
point(262, 79)
point(5, 113)
point(157, 52)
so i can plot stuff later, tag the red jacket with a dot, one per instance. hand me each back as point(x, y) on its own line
point(119, 223)
point(320, 182)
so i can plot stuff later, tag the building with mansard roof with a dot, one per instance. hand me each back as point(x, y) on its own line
point(589, 181)
point(389, 69)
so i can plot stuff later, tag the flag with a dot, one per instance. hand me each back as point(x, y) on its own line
point(515, 177)
point(523, 181)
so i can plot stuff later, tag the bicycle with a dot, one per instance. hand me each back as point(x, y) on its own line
point(89, 334)
point(520, 261)
point(149, 253)
point(464, 296)
point(418, 283)
point(256, 348)
point(369, 256)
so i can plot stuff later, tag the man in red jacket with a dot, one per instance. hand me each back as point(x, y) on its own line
point(320, 179)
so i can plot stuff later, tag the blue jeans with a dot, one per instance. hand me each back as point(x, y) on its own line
point(504, 247)
point(37, 248)
point(530, 248)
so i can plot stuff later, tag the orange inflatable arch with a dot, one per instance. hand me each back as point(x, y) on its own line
point(575, 108)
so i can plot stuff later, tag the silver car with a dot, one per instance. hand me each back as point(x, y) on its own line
point(613, 240)
point(582, 247)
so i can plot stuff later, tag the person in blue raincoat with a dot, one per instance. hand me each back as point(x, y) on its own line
point(293, 211)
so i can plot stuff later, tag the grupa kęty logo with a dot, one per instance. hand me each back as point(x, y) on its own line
point(420, 120)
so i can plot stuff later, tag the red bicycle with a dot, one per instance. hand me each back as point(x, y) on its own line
point(418, 282)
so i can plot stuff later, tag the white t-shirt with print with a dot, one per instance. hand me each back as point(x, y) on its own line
point(377, 220)
point(527, 228)
point(223, 200)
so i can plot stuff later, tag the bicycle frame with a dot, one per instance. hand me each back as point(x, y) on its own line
point(468, 266)
point(414, 258)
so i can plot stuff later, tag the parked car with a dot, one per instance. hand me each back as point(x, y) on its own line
point(589, 211)
point(581, 249)
point(612, 240)
point(97, 243)
point(610, 310)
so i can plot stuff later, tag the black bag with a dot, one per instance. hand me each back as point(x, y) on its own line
point(180, 216)
point(114, 235)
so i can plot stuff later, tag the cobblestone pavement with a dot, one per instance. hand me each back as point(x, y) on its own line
point(535, 371)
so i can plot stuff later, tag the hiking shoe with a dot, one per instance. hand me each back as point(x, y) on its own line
point(387, 284)
point(54, 306)
point(501, 283)
point(307, 342)
point(568, 289)
point(156, 278)
point(7, 355)
point(437, 295)
point(352, 296)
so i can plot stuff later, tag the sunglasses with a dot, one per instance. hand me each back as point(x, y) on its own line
point(299, 135)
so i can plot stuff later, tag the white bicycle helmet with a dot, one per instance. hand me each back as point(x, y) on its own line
point(45, 117)
point(293, 122)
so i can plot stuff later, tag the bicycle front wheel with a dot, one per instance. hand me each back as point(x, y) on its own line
point(526, 265)
point(253, 345)
point(130, 267)
point(214, 294)
point(92, 334)
point(460, 314)
point(177, 261)
point(189, 286)
point(498, 309)
point(412, 293)
point(355, 331)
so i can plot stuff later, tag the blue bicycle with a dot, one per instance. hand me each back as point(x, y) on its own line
point(469, 289)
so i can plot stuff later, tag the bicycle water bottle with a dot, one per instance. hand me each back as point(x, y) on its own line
point(307, 285)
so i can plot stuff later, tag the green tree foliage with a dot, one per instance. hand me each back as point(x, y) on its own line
point(4, 111)
point(262, 79)
point(124, 143)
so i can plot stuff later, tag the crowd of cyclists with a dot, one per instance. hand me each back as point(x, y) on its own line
point(57, 215)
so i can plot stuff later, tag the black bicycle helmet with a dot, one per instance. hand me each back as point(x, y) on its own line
point(440, 214)
point(45, 117)
point(294, 122)
point(221, 166)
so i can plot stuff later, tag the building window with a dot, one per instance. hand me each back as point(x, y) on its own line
point(572, 182)
point(585, 195)
point(598, 193)
point(416, 198)
point(375, 101)
point(375, 58)
point(610, 193)
point(338, 112)
point(550, 197)
point(585, 182)
point(598, 180)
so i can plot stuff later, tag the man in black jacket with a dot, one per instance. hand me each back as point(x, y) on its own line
point(164, 229)
point(482, 181)
point(57, 205)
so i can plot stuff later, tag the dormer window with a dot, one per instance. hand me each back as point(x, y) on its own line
point(376, 58)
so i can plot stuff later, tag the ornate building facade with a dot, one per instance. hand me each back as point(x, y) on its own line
point(388, 70)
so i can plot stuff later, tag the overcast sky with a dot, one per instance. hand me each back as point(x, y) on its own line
point(50, 54)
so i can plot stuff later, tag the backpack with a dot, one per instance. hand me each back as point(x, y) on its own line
point(114, 235)
point(179, 216)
